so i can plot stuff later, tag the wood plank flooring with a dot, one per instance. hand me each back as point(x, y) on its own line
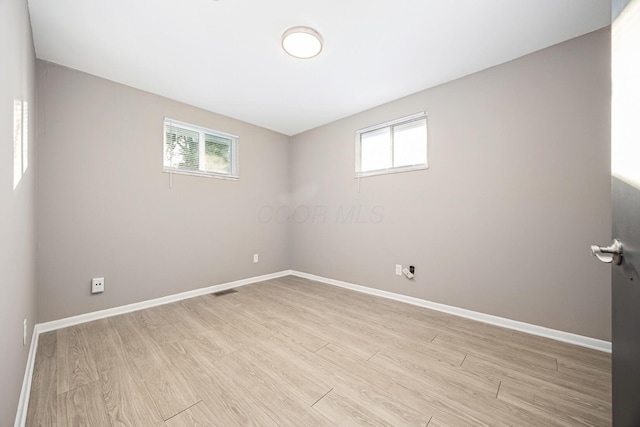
point(293, 352)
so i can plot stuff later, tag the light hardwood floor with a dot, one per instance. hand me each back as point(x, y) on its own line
point(293, 352)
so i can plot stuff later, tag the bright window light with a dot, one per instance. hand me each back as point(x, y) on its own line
point(396, 146)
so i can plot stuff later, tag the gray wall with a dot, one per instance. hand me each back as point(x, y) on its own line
point(17, 212)
point(106, 209)
point(518, 187)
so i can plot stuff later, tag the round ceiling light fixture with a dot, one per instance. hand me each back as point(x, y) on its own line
point(302, 42)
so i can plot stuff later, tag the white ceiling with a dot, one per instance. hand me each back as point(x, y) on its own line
point(225, 56)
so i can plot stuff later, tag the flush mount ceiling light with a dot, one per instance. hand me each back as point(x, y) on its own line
point(302, 42)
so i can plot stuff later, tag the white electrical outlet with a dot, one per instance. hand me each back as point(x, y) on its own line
point(24, 332)
point(97, 285)
point(256, 258)
point(398, 270)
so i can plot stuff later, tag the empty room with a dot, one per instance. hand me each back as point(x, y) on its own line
point(295, 213)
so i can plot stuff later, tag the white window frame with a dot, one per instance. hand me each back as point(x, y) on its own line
point(392, 169)
point(234, 172)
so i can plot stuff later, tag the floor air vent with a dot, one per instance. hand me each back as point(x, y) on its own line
point(225, 292)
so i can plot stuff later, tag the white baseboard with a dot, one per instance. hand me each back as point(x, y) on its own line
point(23, 403)
point(554, 334)
point(88, 317)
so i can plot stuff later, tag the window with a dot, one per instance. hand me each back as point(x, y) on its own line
point(395, 146)
point(194, 150)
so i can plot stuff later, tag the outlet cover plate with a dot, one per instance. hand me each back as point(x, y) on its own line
point(97, 285)
point(398, 270)
point(256, 257)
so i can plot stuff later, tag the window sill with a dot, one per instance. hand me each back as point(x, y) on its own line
point(202, 174)
point(391, 171)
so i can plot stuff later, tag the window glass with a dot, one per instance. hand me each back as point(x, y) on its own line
point(192, 150)
point(376, 149)
point(409, 143)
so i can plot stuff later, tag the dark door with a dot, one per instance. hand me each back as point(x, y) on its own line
point(625, 171)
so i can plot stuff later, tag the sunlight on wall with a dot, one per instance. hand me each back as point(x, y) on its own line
point(17, 142)
point(20, 140)
point(625, 100)
point(25, 136)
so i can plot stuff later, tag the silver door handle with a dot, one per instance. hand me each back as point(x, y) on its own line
point(608, 254)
